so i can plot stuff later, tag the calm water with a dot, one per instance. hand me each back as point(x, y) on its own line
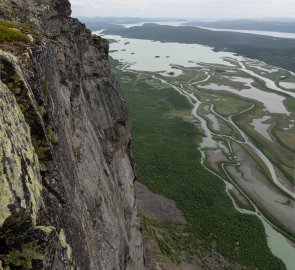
point(255, 32)
point(158, 56)
point(262, 127)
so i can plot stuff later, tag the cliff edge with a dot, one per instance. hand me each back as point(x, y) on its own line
point(66, 174)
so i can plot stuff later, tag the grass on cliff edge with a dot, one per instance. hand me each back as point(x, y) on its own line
point(10, 31)
point(168, 162)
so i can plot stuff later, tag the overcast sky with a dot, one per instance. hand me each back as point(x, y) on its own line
point(195, 9)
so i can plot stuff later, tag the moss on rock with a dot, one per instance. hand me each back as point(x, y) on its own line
point(11, 32)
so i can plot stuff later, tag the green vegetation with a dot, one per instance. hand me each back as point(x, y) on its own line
point(9, 24)
point(24, 258)
point(42, 150)
point(42, 110)
point(10, 31)
point(52, 135)
point(168, 160)
point(45, 90)
point(173, 239)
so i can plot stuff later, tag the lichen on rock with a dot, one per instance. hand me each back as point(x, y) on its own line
point(64, 244)
point(20, 179)
point(22, 243)
point(12, 76)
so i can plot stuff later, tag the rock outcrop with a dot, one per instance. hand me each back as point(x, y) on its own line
point(66, 173)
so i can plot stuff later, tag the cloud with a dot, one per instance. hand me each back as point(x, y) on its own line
point(78, 4)
point(185, 8)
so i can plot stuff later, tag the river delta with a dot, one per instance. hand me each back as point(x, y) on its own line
point(245, 110)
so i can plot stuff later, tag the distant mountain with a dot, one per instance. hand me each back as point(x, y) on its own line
point(287, 26)
point(95, 26)
point(98, 23)
point(126, 20)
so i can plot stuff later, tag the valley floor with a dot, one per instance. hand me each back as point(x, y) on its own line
point(215, 135)
point(225, 166)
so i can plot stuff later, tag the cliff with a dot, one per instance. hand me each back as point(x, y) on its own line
point(66, 173)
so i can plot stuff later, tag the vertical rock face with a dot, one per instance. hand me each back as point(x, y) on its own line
point(66, 175)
